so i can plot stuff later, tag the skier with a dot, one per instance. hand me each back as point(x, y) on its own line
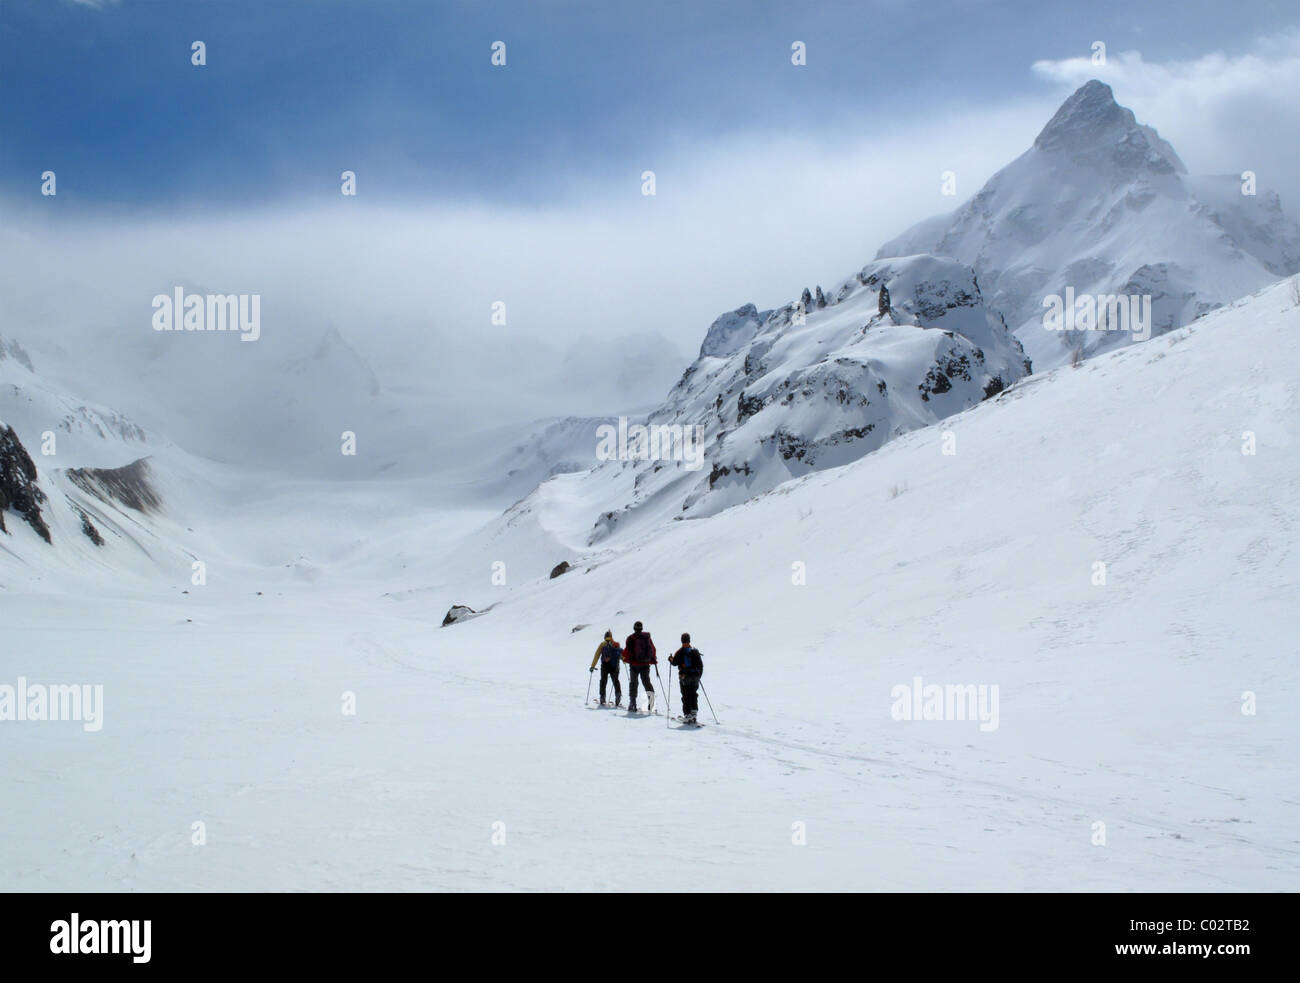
point(608, 653)
point(690, 666)
point(639, 654)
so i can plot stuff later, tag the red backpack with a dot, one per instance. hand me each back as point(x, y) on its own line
point(639, 651)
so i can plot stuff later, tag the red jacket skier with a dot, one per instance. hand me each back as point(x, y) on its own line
point(639, 654)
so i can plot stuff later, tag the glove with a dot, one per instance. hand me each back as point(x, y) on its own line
point(592, 669)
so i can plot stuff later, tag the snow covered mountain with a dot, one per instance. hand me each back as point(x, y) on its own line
point(817, 383)
point(1101, 205)
point(82, 480)
point(1120, 703)
point(93, 497)
point(282, 401)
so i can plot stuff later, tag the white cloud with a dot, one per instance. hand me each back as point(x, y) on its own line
point(754, 220)
point(1222, 113)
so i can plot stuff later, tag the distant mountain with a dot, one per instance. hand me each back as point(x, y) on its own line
point(623, 371)
point(280, 402)
point(1102, 205)
point(84, 434)
point(76, 476)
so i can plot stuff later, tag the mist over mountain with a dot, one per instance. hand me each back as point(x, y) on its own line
point(1102, 205)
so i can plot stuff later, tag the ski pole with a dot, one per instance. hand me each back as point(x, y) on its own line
point(661, 682)
point(589, 675)
point(708, 701)
point(670, 695)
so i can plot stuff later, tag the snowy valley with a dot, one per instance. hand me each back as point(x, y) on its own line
point(902, 484)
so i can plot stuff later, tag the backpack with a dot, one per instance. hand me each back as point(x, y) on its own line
point(639, 651)
point(609, 652)
point(691, 662)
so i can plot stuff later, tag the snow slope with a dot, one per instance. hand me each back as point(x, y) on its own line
point(1103, 205)
point(1119, 704)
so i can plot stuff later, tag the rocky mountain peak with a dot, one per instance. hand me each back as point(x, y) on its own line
point(1091, 123)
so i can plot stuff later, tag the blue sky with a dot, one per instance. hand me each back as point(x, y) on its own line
point(294, 91)
point(522, 184)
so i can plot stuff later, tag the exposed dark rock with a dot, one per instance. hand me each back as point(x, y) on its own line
point(747, 406)
point(89, 529)
point(559, 568)
point(936, 383)
point(938, 379)
point(850, 433)
point(722, 470)
point(933, 307)
point(18, 488)
point(458, 612)
point(129, 485)
point(790, 446)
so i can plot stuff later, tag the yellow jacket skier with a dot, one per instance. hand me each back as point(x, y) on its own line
point(608, 655)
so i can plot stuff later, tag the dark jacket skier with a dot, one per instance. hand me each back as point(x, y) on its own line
point(639, 654)
point(608, 654)
point(690, 666)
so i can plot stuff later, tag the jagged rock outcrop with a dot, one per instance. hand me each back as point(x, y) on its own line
point(18, 489)
point(778, 393)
